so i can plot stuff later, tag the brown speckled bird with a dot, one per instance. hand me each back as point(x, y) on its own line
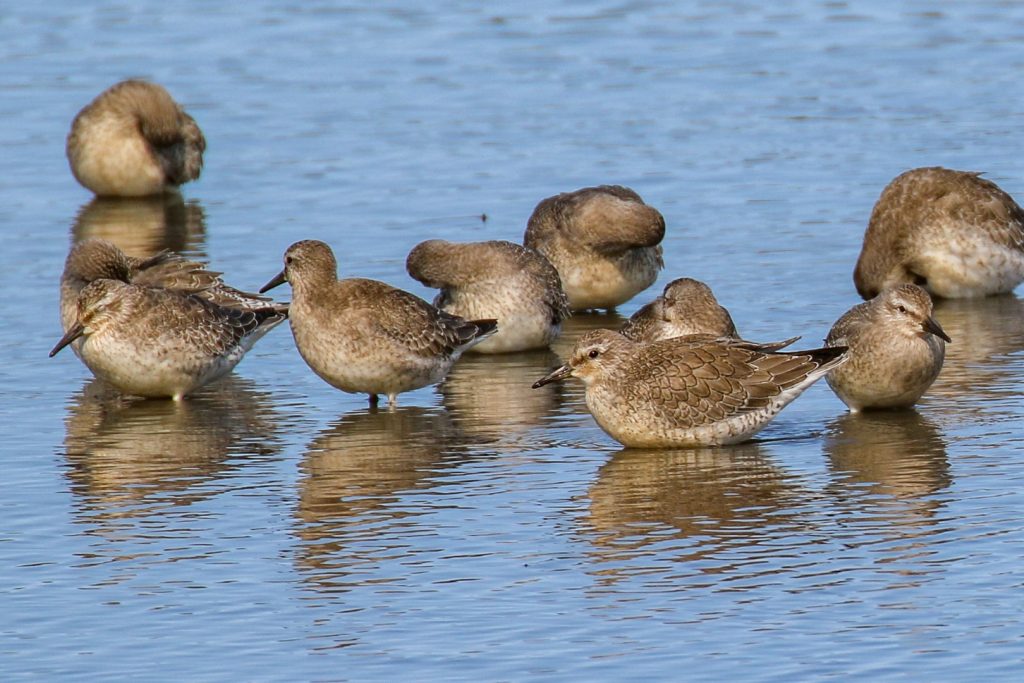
point(686, 306)
point(604, 241)
point(688, 391)
point(896, 350)
point(161, 343)
point(134, 140)
point(94, 259)
point(365, 336)
point(511, 283)
point(951, 232)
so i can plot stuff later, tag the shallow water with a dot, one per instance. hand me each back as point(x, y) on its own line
point(272, 528)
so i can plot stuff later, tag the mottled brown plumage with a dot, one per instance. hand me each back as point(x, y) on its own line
point(951, 232)
point(896, 350)
point(688, 391)
point(686, 306)
point(161, 343)
point(365, 336)
point(134, 140)
point(513, 284)
point(94, 259)
point(604, 241)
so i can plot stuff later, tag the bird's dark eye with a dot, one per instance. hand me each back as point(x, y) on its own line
point(901, 309)
point(288, 260)
point(594, 353)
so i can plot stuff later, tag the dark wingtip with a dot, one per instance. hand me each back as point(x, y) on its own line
point(823, 355)
point(829, 353)
point(270, 314)
point(485, 326)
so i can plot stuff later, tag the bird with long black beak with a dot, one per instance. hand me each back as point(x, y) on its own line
point(161, 343)
point(688, 391)
point(365, 336)
point(896, 350)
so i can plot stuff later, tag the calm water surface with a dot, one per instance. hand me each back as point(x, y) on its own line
point(272, 528)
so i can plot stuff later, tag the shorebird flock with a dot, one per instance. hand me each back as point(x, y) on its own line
point(677, 373)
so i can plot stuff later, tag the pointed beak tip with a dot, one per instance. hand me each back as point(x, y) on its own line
point(277, 280)
point(72, 334)
point(560, 373)
point(930, 325)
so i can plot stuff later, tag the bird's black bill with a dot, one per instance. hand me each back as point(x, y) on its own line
point(930, 325)
point(72, 334)
point(278, 280)
point(560, 373)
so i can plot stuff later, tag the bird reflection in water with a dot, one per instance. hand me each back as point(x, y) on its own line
point(886, 467)
point(354, 474)
point(144, 226)
point(711, 511)
point(981, 374)
point(131, 462)
point(491, 402)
